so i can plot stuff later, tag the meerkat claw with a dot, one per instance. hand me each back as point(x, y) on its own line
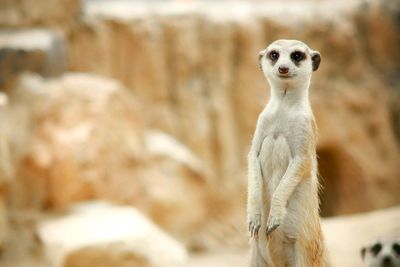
point(272, 225)
point(271, 228)
point(255, 225)
point(255, 231)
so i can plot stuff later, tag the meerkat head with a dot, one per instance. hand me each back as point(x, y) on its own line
point(288, 63)
point(383, 252)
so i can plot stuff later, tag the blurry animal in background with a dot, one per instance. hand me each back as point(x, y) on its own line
point(383, 252)
point(283, 203)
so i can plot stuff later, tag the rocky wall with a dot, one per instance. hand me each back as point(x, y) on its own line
point(26, 13)
point(6, 169)
point(82, 138)
point(195, 67)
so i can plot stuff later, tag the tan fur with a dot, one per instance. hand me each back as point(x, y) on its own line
point(283, 200)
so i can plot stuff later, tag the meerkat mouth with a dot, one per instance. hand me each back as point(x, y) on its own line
point(285, 76)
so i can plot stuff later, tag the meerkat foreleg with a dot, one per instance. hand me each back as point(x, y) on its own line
point(290, 180)
point(255, 181)
point(254, 206)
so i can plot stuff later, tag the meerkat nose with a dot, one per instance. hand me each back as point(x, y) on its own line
point(283, 69)
point(387, 261)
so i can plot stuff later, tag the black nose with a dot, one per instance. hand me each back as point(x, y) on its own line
point(387, 261)
point(283, 70)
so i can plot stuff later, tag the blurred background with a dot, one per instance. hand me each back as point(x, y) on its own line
point(125, 127)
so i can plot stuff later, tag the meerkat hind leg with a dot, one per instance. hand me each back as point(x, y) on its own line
point(256, 259)
point(259, 253)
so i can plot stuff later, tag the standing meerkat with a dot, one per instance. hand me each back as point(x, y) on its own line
point(283, 205)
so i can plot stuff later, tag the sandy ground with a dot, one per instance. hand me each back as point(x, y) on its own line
point(233, 258)
point(344, 237)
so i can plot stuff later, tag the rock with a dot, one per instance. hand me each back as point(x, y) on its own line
point(177, 188)
point(72, 155)
point(87, 140)
point(25, 13)
point(6, 169)
point(3, 219)
point(196, 65)
point(38, 50)
point(100, 234)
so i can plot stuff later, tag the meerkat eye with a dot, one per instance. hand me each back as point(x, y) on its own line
point(273, 55)
point(297, 56)
point(396, 248)
point(375, 249)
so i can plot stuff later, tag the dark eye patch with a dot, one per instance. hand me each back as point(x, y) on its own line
point(273, 55)
point(297, 56)
point(375, 249)
point(396, 248)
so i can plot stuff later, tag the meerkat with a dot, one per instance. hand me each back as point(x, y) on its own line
point(382, 252)
point(283, 203)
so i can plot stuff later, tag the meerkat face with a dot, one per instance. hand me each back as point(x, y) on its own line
point(288, 62)
point(382, 253)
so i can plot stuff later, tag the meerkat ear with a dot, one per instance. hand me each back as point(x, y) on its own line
point(316, 60)
point(363, 251)
point(260, 55)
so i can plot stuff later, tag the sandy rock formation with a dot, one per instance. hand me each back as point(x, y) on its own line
point(35, 50)
point(195, 64)
point(5, 169)
point(176, 186)
point(25, 13)
point(85, 139)
point(83, 128)
point(100, 234)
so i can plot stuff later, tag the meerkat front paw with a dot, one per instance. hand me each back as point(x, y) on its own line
point(273, 223)
point(254, 224)
point(275, 219)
